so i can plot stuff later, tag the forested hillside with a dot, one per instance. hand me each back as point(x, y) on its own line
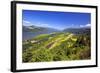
point(57, 46)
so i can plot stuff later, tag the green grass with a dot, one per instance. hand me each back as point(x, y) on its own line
point(56, 47)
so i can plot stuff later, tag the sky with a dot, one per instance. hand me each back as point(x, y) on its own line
point(57, 20)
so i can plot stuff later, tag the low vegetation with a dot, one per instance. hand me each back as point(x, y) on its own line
point(57, 47)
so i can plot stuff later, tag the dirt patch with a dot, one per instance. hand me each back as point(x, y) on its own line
point(49, 45)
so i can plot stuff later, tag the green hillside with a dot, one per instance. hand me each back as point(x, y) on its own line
point(57, 46)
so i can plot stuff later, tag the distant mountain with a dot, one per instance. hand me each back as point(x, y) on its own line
point(28, 28)
point(39, 29)
point(85, 30)
point(31, 31)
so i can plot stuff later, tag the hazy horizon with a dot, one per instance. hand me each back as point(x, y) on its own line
point(56, 20)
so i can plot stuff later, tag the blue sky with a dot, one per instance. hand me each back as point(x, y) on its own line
point(57, 20)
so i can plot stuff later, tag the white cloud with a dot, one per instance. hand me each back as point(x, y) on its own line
point(42, 25)
point(82, 26)
point(71, 25)
point(87, 25)
point(27, 22)
point(46, 25)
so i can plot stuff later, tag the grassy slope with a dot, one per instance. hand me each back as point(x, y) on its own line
point(56, 47)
